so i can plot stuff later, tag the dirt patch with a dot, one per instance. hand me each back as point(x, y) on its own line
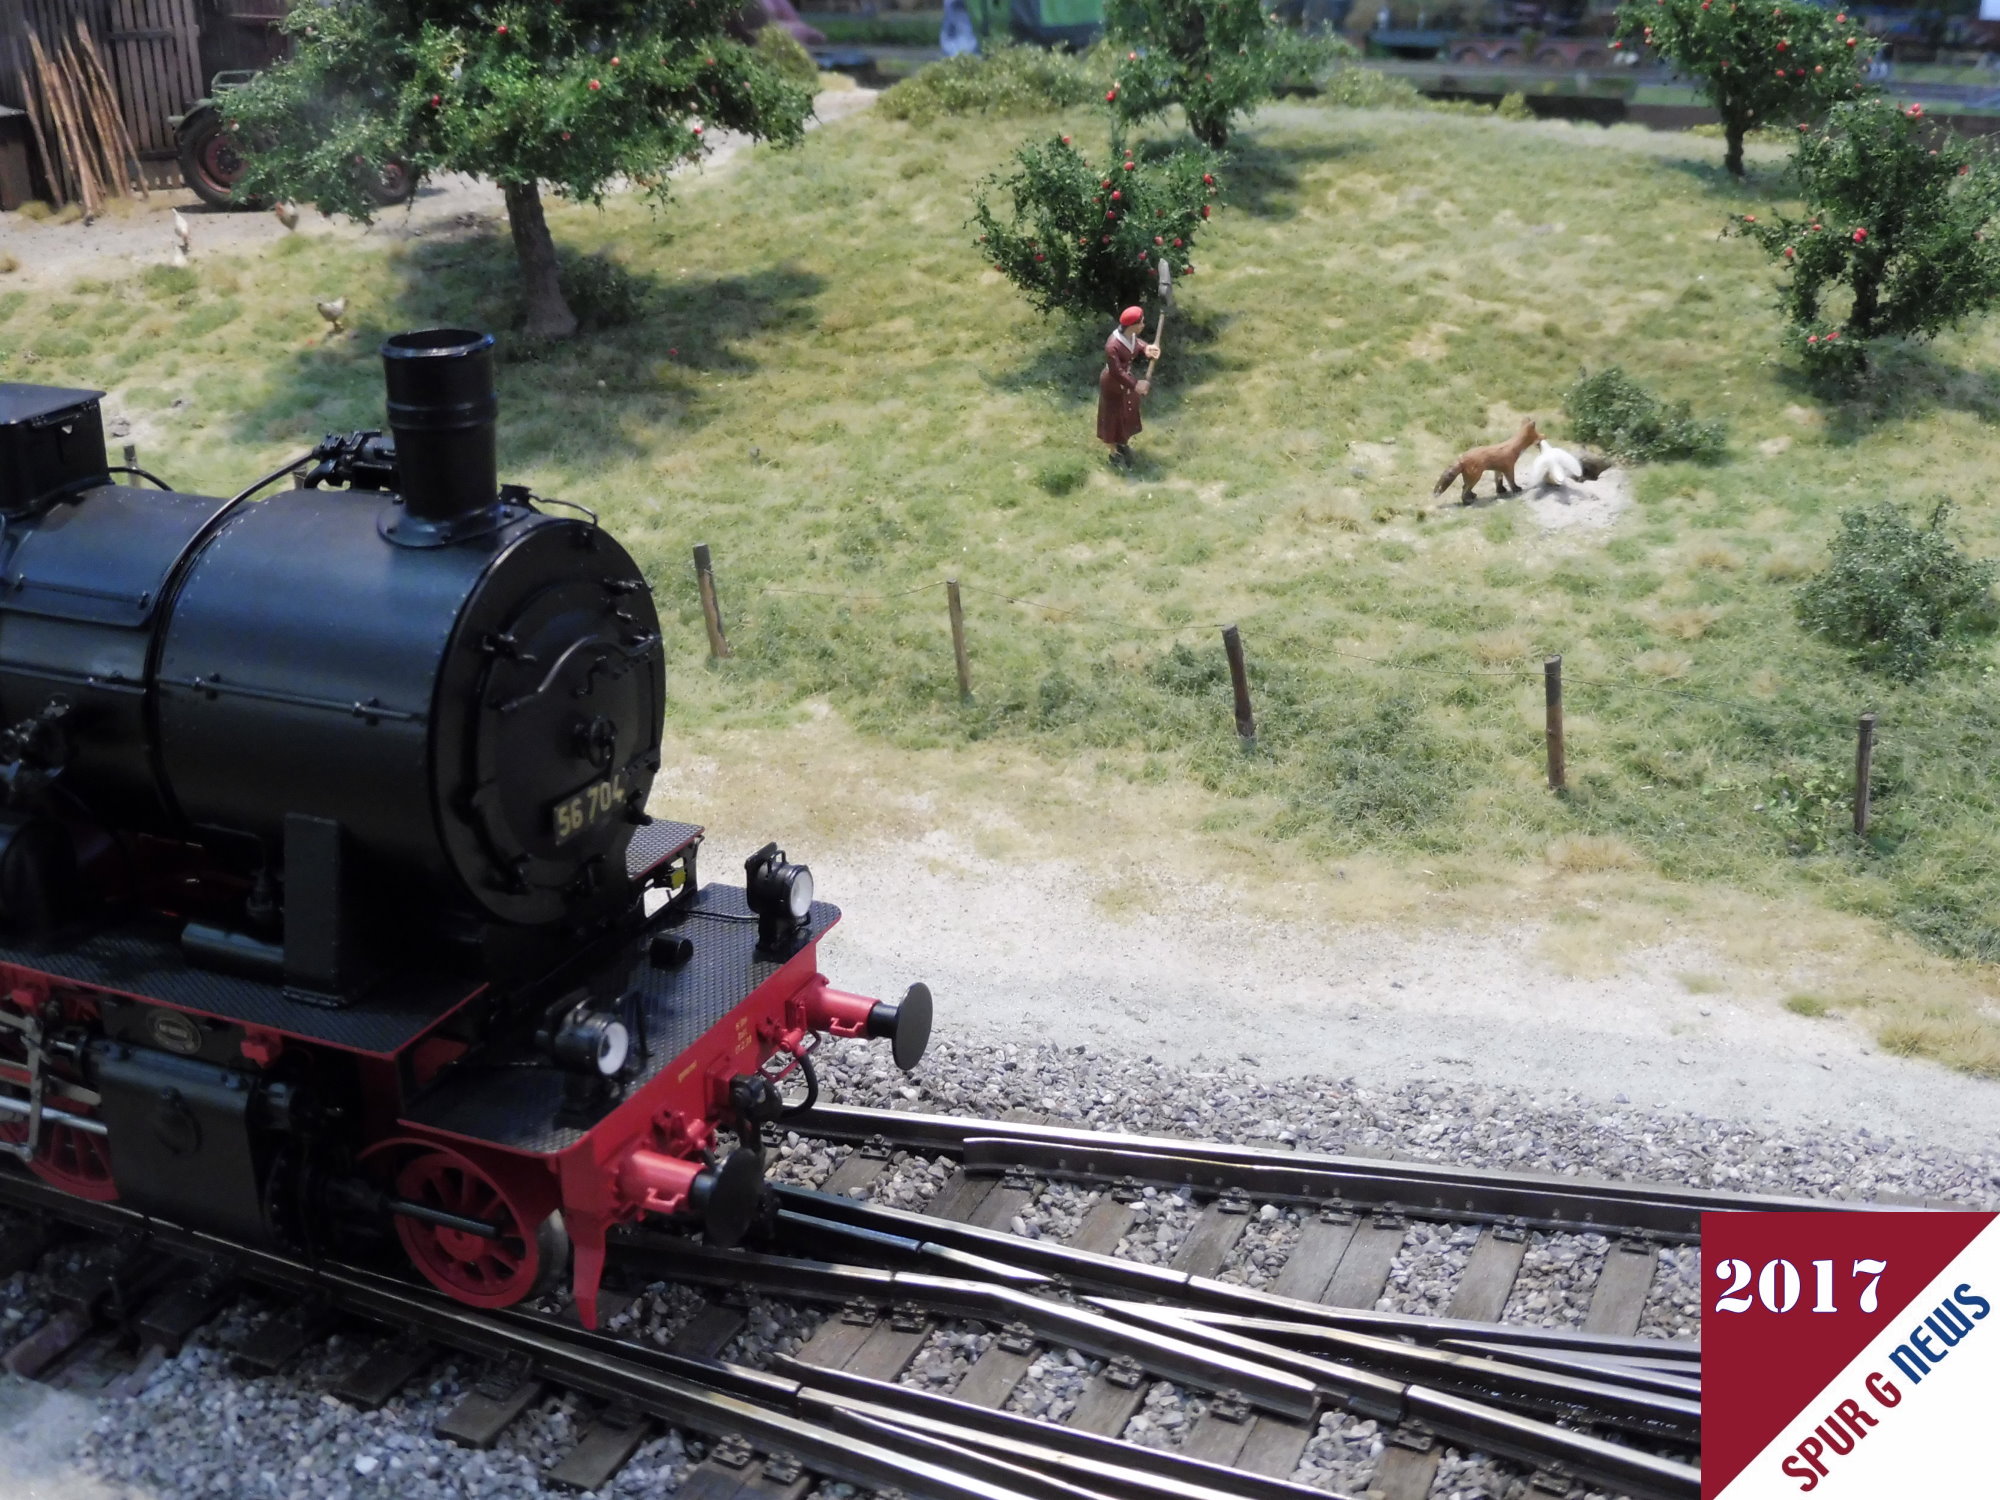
point(138, 233)
point(1592, 504)
point(1048, 903)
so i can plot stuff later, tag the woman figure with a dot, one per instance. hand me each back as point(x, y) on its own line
point(1117, 392)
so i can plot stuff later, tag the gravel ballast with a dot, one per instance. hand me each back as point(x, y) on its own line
point(201, 1428)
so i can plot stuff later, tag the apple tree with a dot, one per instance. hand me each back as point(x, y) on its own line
point(1761, 62)
point(571, 93)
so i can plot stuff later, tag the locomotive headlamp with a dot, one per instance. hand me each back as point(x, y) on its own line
point(781, 894)
point(592, 1042)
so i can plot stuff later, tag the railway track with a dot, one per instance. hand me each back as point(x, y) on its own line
point(1257, 1375)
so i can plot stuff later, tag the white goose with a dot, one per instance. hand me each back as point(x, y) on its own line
point(1547, 464)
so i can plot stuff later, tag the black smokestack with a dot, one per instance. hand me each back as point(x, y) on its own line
point(441, 408)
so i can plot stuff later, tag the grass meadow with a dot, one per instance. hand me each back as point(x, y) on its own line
point(805, 364)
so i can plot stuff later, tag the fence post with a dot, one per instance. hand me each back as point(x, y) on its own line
point(711, 612)
point(958, 637)
point(1239, 680)
point(1864, 762)
point(1552, 692)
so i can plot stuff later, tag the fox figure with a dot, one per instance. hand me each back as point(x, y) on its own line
point(1499, 458)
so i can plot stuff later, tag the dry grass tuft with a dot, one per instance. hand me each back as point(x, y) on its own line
point(1592, 854)
point(1716, 557)
point(9, 264)
point(1690, 624)
point(1967, 1043)
point(1701, 984)
point(1787, 566)
point(1498, 648)
point(1808, 1005)
point(1665, 665)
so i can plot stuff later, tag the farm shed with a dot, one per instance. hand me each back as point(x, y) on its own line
point(157, 58)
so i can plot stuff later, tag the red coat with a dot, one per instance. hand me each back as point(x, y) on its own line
point(1118, 393)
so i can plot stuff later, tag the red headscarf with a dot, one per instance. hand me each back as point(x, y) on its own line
point(1132, 317)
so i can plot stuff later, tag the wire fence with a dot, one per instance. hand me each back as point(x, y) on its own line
point(1550, 671)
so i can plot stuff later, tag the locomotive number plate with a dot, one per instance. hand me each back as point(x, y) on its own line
point(584, 810)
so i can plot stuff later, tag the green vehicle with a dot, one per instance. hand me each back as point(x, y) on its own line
point(1048, 23)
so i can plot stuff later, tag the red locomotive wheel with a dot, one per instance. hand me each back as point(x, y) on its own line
point(474, 1269)
point(74, 1160)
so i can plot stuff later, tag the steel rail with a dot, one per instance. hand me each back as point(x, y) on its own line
point(909, 1402)
point(1459, 1418)
point(592, 1370)
point(1201, 1365)
point(1605, 1206)
point(1111, 1478)
point(1170, 1340)
point(1236, 1303)
point(809, 1212)
point(1596, 1395)
point(1636, 1373)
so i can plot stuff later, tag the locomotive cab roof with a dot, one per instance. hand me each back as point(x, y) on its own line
point(34, 404)
point(51, 443)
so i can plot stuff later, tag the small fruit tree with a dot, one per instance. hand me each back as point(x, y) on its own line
point(1761, 62)
point(1899, 214)
point(1216, 59)
point(1087, 242)
point(524, 92)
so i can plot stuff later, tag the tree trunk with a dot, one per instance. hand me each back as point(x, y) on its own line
point(1867, 294)
point(1733, 157)
point(549, 316)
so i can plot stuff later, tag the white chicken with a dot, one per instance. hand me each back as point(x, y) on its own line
point(333, 311)
point(1547, 464)
point(183, 233)
point(287, 215)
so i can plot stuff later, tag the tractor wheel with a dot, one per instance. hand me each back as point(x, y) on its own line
point(391, 183)
point(211, 160)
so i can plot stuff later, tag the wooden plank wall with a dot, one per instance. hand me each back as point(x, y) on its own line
point(153, 51)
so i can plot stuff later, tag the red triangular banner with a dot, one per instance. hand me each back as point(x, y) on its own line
point(1789, 1300)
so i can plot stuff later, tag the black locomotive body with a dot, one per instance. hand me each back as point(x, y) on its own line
point(329, 902)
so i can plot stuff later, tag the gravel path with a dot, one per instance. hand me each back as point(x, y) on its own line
point(138, 233)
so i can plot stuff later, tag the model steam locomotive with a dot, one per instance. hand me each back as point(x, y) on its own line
point(330, 909)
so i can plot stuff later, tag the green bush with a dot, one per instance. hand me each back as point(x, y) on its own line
point(1353, 87)
point(1005, 81)
point(1514, 106)
point(782, 53)
point(1087, 242)
point(1062, 476)
point(1616, 413)
point(1900, 598)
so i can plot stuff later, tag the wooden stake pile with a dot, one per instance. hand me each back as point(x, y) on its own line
point(86, 151)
